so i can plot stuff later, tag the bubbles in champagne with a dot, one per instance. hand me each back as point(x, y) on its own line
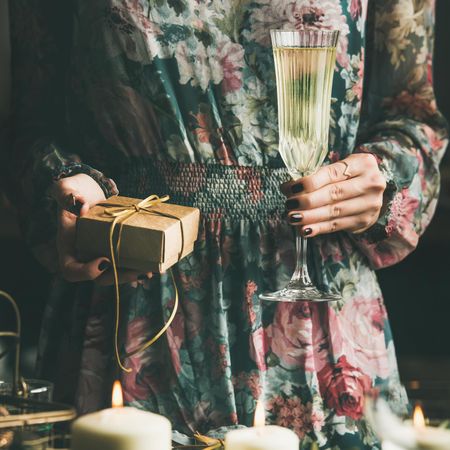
point(304, 79)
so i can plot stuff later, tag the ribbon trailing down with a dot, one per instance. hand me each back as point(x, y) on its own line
point(120, 214)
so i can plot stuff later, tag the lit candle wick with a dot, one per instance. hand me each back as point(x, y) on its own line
point(418, 418)
point(117, 395)
point(260, 415)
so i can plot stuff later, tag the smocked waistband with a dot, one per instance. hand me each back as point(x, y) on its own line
point(235, 192)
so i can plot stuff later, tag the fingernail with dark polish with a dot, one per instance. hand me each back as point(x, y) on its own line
point(75, 208)
point(142, 277)
point(296, 218)
point(307, 231)
point(104, 265)
point(291, 204)
point(296, 188)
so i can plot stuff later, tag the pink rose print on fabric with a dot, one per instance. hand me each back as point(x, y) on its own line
point(144, 366)
point(297, 336)
point(253, 180)
point(143, 23)
point(435, 140)
point(343, 388)
point(231, 59)
point(234, 418)
point(298, 15)
point(208, 134)
point(308, 15)
point(220, 356)
point(134, 389)
point(334, 156)
point(430, 69)
point(355, 8)
point(419, 104)
point(258, 348)
point(203, 127)
point(249, 380)
point(388, 253)
point(317, 419)
point(403, 237)
point(175, 337)
point(254, 384)
point(130, 26)
point(358, 86)
point(357, 332)
point(401, 220)
point(292, 413)
point(223, 152)
point(137, 332)
point(250, 290)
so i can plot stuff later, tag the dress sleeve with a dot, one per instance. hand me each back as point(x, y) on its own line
point(401, 125)
point(39, 149)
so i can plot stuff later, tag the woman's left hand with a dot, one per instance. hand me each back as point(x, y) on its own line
point(346, 195)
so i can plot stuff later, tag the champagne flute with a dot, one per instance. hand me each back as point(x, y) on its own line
point(304, 66)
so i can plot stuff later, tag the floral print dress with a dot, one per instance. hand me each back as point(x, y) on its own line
point(178, 97)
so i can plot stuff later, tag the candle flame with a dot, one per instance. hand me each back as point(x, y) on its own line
point(260, 415)
point(418, 417)
point(117, 396)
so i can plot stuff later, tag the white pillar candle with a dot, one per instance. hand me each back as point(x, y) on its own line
point(397, 434)
point(432, 438)
point(121, 428)
point(261, 437)
point(387, 445)
point(270, 437)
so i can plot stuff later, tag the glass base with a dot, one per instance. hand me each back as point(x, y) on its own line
point(293, 294)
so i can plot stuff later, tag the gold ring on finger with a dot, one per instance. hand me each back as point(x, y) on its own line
point(346, 170)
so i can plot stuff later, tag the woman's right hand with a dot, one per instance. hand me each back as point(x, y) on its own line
point(77, 194)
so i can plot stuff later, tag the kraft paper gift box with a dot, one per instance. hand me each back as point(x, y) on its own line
point(152, 238)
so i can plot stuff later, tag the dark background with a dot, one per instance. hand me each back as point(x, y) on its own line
point(417, 291)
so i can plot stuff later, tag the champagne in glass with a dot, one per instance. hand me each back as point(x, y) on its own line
point(304, 66)
point(304, 77)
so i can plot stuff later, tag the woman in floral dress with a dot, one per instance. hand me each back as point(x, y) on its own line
point(178, 97)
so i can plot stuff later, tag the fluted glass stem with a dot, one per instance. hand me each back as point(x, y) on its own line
point(301, 275)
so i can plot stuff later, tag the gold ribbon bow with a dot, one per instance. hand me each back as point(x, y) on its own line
point(212, 443)
point(121, 214)
point(205, 443)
